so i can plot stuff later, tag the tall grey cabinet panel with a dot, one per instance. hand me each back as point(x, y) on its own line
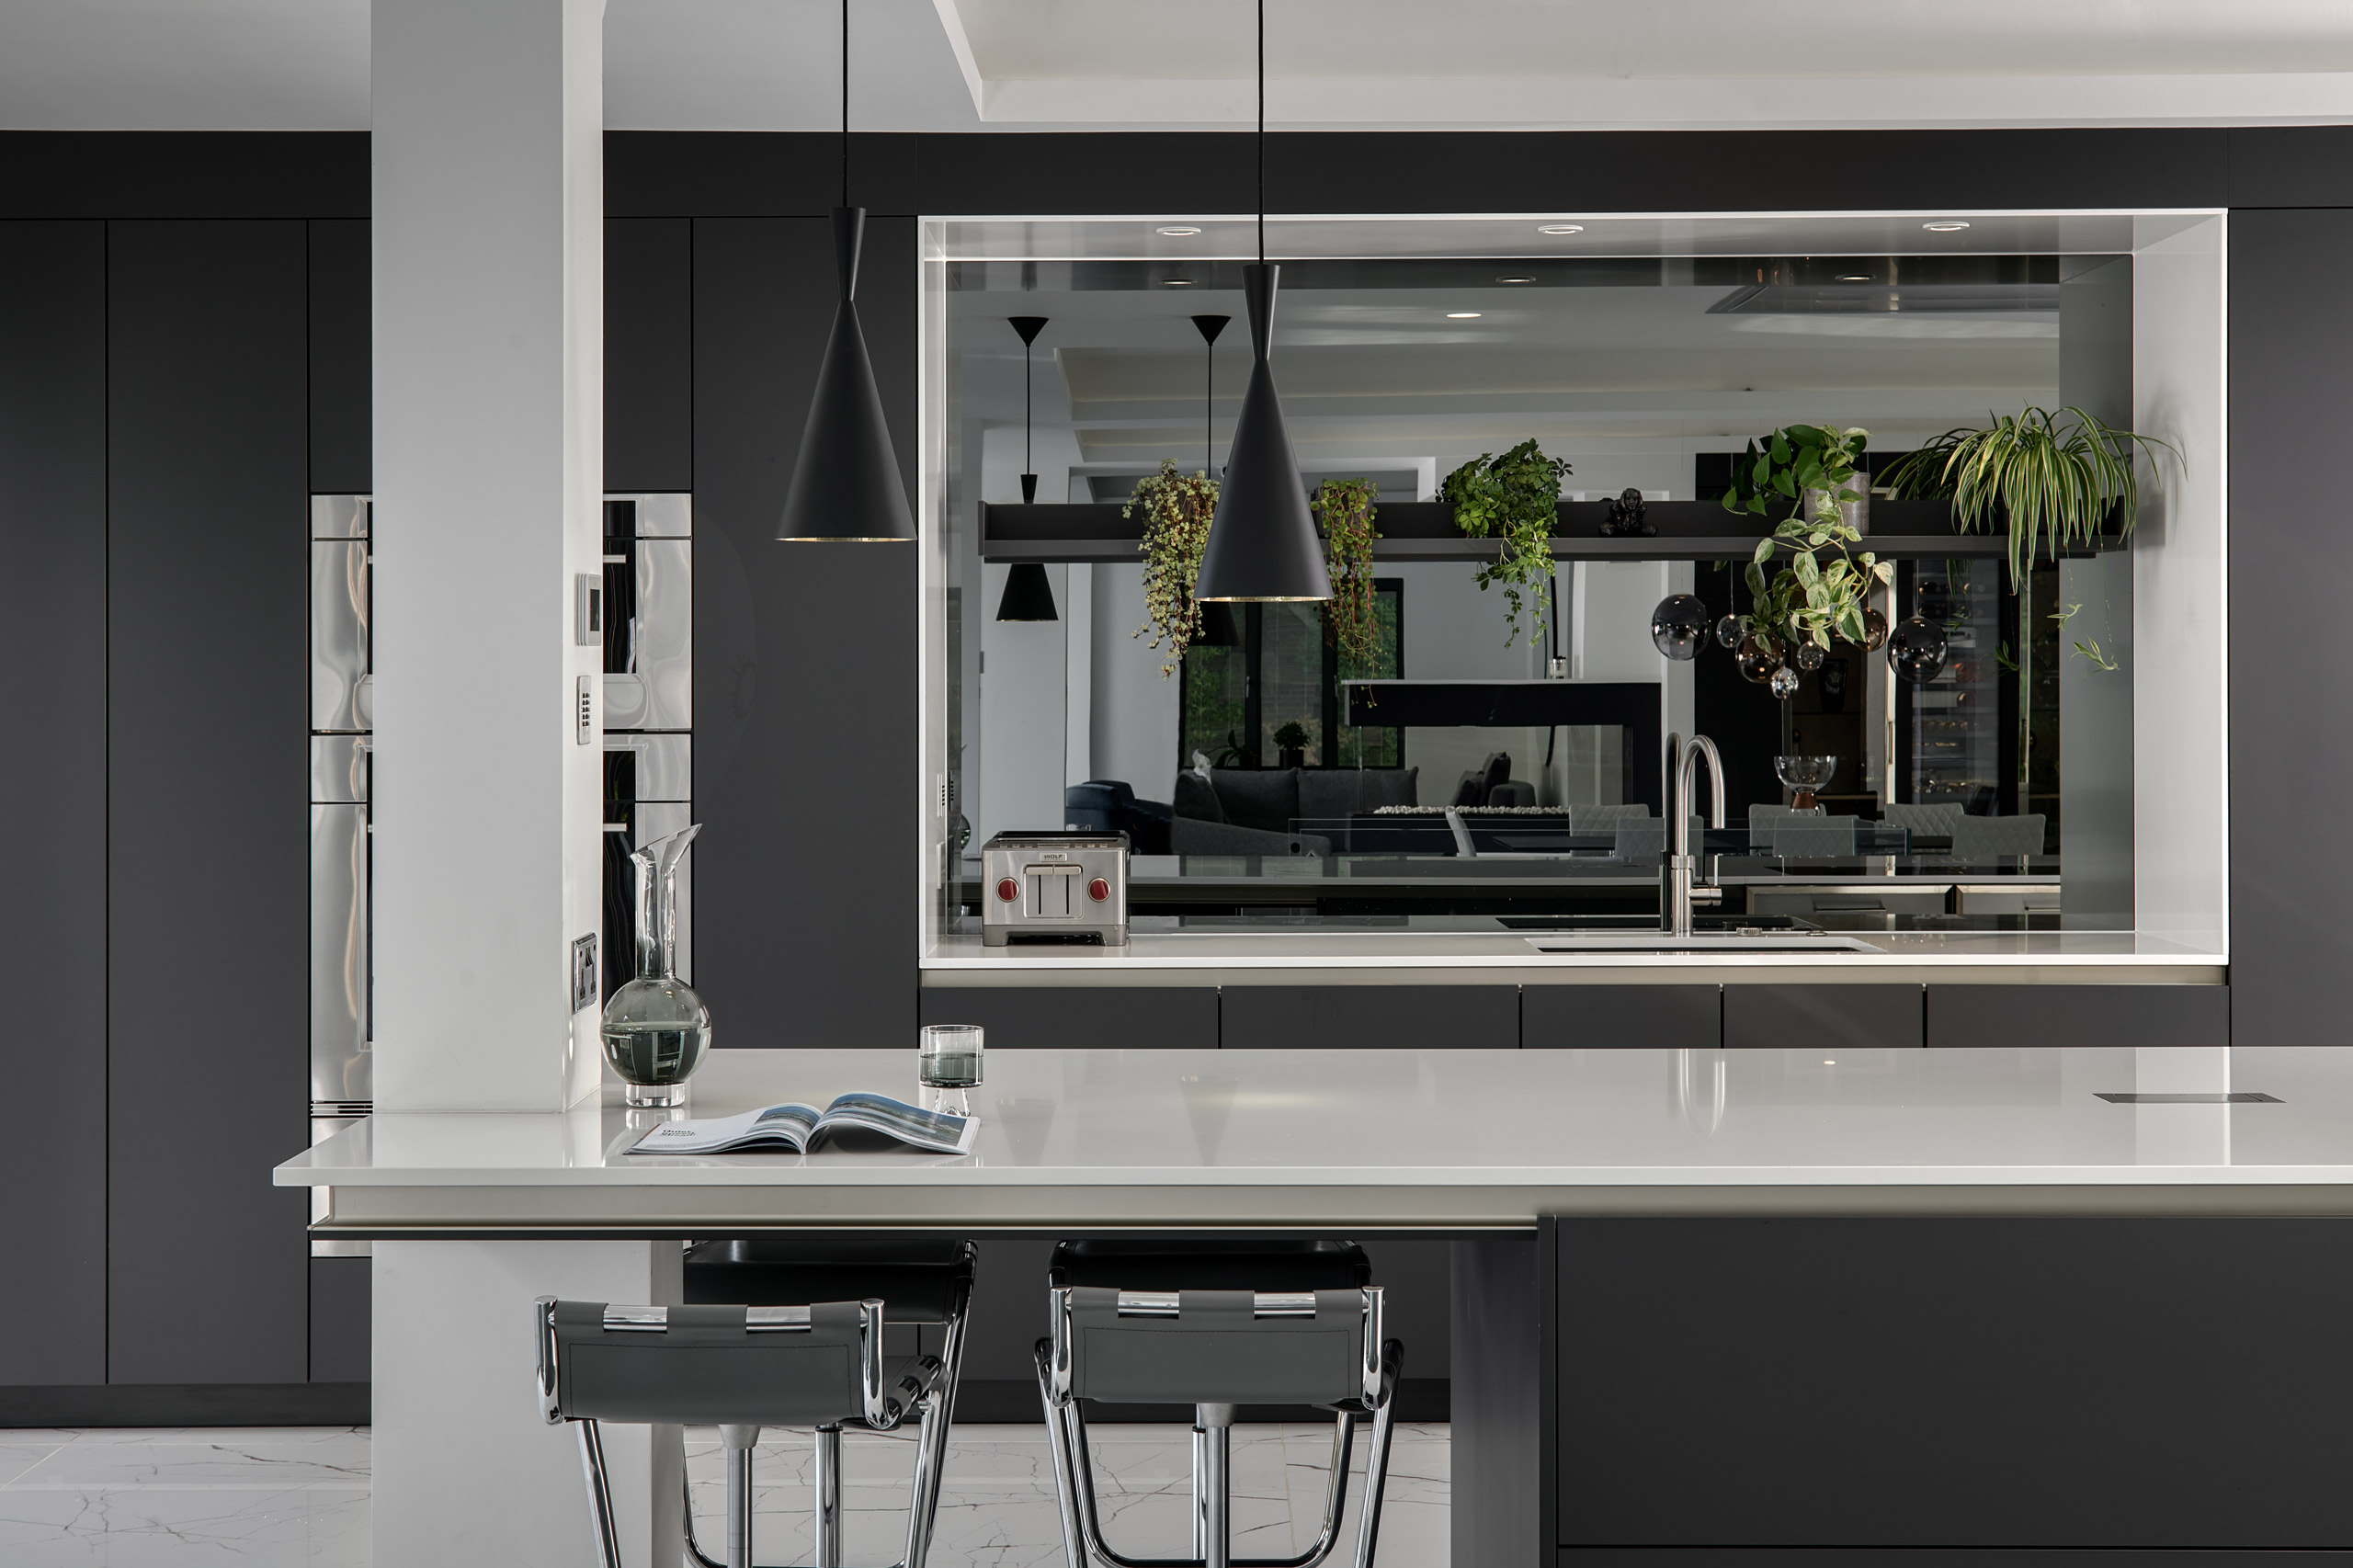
point(2291, 720)
point(806, 759)
point(2078, 1015)
point(342, 356)
point(207, 866)
point(1850, 1017)
point(52, 793)
point(1375, 1017)
point(649, 354)
point(1689, 1017)
point(1080, 1016)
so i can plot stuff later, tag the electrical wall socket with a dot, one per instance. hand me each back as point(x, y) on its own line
point(586, 980)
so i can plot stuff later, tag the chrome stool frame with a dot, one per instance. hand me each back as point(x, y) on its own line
point(1058, 1388)
point(926, 1389)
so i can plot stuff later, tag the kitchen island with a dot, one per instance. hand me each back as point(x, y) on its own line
point(1715, 1300)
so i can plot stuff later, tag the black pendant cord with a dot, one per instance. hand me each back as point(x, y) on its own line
point(845, 103)
point(1262, 131)
point(1209, 406)
point(1027, 465)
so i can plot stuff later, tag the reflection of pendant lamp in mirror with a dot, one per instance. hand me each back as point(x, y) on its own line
point(846, 485)
point(1209, 327)
point(1027, 596)
point(1262, 543)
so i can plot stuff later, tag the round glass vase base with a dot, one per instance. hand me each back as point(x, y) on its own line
point(661, 1097)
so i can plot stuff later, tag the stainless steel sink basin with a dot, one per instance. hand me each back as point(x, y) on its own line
point(1724, 942)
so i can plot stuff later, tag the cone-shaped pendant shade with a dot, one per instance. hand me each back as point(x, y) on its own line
point(1262, 541)
point(846, 485)
point(1028, 595)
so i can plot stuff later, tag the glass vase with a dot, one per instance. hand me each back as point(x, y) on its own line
point(655, 1029)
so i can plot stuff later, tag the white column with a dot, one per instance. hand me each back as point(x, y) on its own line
point(489, 349)
point(467, 1469)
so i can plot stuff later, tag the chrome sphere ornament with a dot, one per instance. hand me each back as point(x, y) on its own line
point(1730, 631)
point(1758, 657)
point(1915, 649)
point(1809, 657)
point(1874, 631)
point(1784, 683)
point(1679, 627)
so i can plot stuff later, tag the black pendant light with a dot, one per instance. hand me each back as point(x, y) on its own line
point(1262, 543)
point(1028, 595)
point(846, 485)
point(1209, 327)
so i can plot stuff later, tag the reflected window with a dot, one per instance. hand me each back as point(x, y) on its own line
point(1263, 690)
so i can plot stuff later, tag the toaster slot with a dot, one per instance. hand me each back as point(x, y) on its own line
point(1052, 889)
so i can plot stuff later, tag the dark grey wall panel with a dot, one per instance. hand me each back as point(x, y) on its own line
point(2078, 1015)
point(52, 793)
point(342, 1303)
point(1367, 1017)
point(1955, 1382)
point(805, 722)
point(1120, 1016)
point(343, 354)
point(1689, 1017)
point(649, 354)
point(2291, 720)
point(208, 864)
point(1848, 1017)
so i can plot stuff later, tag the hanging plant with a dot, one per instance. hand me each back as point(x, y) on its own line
point(1345, 508)
point(2055, 476)
point(1516, 498)
point(1824, 587)
point(1177, 509)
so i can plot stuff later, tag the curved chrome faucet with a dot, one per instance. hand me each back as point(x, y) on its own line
point(1675, 880)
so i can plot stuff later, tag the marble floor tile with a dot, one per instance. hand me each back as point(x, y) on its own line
point(184, 1528)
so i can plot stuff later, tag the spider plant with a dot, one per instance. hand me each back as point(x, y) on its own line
point(2055, 476)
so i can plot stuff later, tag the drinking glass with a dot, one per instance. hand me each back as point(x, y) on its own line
point(948, 1062)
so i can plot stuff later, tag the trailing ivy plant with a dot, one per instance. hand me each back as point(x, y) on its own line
point(2055, 476)
point(1345, 510)
point(1824, 585)
point(1515, 498)
point(1177, 509)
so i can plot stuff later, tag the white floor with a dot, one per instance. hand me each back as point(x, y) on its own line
point(136, 1497)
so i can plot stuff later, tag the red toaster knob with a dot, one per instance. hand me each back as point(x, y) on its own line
point(1098, 889)
point(1008, 890)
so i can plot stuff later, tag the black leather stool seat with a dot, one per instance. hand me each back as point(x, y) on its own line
point(1259, 1265)
point(918, 1281)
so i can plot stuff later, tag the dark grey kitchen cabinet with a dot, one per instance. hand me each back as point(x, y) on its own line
point(342, 1307)
point(805, 740)
point(343, 357)
point(1965, 1383)
point(649, 354)
point(207, 841)
point(1101, 1016)
point(53, 793)
point(1687, 1016)
point(2078, 1015)
point(1367, 1017)
point(1842, 1017)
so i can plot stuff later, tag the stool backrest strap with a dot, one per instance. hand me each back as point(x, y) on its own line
point(1217, 1346)
point(712, 1366)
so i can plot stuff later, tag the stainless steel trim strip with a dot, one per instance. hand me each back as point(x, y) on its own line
point(775, 1320)
point(1163, 1304)
point(637, 1320)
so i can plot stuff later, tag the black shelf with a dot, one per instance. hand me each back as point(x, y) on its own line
point(1424, 531)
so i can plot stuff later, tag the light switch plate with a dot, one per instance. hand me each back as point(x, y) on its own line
point(584, 972)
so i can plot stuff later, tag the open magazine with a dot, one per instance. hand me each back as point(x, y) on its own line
point(854, 1120)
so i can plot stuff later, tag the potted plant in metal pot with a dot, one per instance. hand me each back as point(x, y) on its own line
point(1516, 498)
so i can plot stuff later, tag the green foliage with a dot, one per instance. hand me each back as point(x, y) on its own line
point(2055, 476)
point(1515, 498)
point(1345, 508)
point(1799, 464)
point(1292, 735)
point(1177, 509)
point(1825, 586)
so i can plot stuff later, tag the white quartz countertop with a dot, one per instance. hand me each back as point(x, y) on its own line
point(1440, 1139)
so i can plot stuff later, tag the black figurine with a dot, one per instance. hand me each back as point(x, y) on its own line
point(1626, 518)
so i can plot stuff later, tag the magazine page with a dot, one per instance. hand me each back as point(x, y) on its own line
point(778, 1126)
point(857, 1120)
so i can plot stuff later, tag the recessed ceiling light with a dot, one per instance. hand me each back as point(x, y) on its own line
point(1945, 226)
point(1179, 230)
point(1830, 1062)
point(1463, 315)
point(1561, 228)
point(1177, 283)
point(1514, 279)
point(1854, 278)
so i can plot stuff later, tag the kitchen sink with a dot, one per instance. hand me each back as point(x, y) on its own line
point(1713, 942)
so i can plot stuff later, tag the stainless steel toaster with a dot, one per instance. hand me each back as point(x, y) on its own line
point(1043, 887)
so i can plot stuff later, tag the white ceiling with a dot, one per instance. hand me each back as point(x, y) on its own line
point(974, 64)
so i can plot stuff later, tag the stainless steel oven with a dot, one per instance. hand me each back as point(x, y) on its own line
point(342, 973)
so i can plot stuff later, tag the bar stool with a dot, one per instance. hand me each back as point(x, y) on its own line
point(1215, 1325)
point(816, 1363)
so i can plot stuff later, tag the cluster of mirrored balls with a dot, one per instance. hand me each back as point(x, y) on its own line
point(1680, 628)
